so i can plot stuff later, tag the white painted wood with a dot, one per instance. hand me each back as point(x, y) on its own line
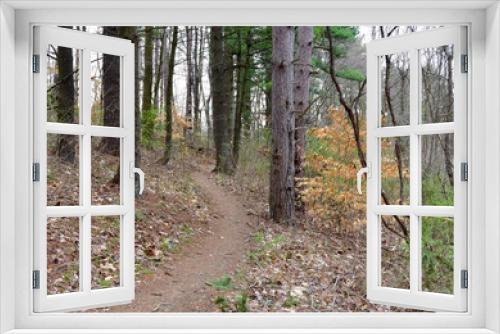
point(414, 297)
point(86, 297)
point(418, 129)
point(7, 168)
point(247, 4)
point(419, 210)
point(92, 130)
point(490, 130)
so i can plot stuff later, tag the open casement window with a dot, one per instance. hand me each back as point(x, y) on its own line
point(417, 170)
point(83, 170)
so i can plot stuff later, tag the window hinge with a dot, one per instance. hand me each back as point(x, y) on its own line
point(464, 171)
point(465, 63)
point(36, 172)
point(464, 279)
point(36, 279)
point(36, 63)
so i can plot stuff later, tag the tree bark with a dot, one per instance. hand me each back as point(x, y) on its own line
point(302, 72)
point(111, 91)
point(229, 82)
point(148, 69)
point(242, 111)
point(169, 94)
point(218, 68)
point(189, 86)
point(65, 101)
point(159, 50)
point(281, 197)
point(198, 70)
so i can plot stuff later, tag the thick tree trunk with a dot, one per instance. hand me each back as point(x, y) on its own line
point(169, 94)
point(240, 81)
point(218, 68)
point(269, 98)
point(302, 72)
point(229, 82)
point(148, 69)
point(281, 199)
point(189, 86)
point(65, 101)
point(111, 91)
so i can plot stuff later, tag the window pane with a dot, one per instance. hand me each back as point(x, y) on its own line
point(437, 169)
point(105, 89)
point(394, 170)
point(63, 179)
point(437, 84)
point(437, 254)
point(63, 240)
point(105, 252)
point(395, 89)
point(105, 170)
point(63, 72)
point(395, 251)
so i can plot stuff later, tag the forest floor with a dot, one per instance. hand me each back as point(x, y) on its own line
point(184, 285)
point(205, 243)
point(240, 261)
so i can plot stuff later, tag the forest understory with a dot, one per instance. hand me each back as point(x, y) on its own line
point(304, 267)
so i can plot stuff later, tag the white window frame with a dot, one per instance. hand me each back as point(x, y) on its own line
point(16, 20)
point(85, 43)
point(411, 44)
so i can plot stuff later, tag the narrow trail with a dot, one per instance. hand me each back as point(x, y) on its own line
point(182, 285)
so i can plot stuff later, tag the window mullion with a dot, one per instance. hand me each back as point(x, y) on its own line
point(85, 178)
point(415, 267)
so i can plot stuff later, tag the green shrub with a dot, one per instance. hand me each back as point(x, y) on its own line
point(149, 123)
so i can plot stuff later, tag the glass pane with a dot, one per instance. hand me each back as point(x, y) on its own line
point(105, 89)
point(63, 241)
point(437, 169)
point(437, 254)
point(63, 179)
point(395, 251)
point(105, 170)
point(394, 170)
point(105, 252)
point(436, 84)
point(395, 89)
point(63, 88)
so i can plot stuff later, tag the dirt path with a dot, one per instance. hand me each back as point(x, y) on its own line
point(181, 287)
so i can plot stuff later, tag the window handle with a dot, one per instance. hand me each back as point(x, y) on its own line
point(141, 179)
point(359, 176)
point(133, 170)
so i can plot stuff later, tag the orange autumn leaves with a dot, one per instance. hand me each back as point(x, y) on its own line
point(329, 187)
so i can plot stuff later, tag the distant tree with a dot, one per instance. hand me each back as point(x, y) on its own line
point(218, 82)
point(169, 94)
point(189, 85)
point(302, 69)
point(281, 196)
point(159, 51)
point(198, 72)
point(243, 73)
